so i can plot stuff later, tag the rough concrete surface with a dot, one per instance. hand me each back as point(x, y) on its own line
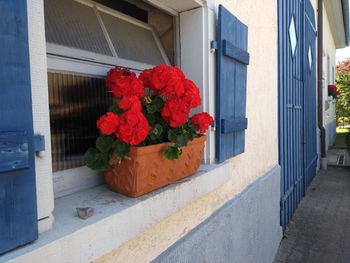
point(320, 229)
point(334, 154)
point(245, 230)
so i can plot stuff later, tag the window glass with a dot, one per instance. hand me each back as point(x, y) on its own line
point(72, 24)
point(75, 102)
point(131, 41)
point(69, 23)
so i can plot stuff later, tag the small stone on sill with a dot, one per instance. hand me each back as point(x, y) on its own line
point(85, 212)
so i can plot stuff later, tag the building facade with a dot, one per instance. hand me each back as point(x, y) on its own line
point(234, 209)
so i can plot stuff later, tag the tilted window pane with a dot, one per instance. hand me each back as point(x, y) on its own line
point(76, 102)
point(132, 42)
point(75, 25)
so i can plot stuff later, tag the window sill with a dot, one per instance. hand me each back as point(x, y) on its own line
point(116, 219)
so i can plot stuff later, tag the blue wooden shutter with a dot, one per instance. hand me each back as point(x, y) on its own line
point(18, 214)
point(232, 61)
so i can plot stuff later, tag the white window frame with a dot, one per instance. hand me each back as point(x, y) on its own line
point(70, 52)
point(62, 59)
point(203, 73)
point(192, 54)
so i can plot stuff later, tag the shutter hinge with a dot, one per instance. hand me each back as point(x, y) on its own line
point(213, 46)
point(39, 144)
point(213, 126)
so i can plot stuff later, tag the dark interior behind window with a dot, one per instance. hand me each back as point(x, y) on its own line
point(76, 102)
point(126, 8)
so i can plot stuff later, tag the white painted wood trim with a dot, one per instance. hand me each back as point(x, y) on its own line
point(160, 47)
point(70, 52)
point(83, 55)
point(73, 180)
point(40, 107)
point(179, 6)
point(162, 6)
point(69, 65)
point(105, 32)
point(197, 29)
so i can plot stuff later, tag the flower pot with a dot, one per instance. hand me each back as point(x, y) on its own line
point(146, 169)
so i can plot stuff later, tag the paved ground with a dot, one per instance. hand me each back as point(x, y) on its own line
point(320, 229)
point(334, 154)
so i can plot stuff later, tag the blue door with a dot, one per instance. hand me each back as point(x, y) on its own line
point(297, 102)
point(18, 215)
point(310, 132)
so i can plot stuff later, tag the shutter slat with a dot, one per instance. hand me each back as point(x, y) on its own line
point(234, 125)
point(232, 61)
point(236, 53)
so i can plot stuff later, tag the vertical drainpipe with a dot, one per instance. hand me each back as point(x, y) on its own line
point(320, 83)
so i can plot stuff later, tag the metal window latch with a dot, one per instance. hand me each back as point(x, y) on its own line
point(39, 144)
point(213, 126)
point(213, 46)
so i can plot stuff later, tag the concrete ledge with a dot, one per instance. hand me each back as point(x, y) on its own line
point(117, 218)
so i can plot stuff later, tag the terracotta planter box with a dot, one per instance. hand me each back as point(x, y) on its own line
point(147, 169)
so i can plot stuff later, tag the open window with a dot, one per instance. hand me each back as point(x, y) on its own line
point(84, 40)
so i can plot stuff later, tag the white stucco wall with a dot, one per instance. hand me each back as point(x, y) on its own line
point(329, 54)
point(261, 152)
point(329, 62)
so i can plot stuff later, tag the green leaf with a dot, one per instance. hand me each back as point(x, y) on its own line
point(150, 108)
point(150, 118)
point(120, 148)
point(157, 130)
point(104, 143)
point(172, 153)
point(96, 160)
point(181, 140)
point(172, 135)
point(158, 103)
point(115, 108)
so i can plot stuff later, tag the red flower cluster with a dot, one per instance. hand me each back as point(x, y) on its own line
point(128, 103)
point(181, 94)
point(164, 79)
point(333, 90)
point(175, 111)
point(133, 128)
point(191, 95)
point(123, 82)
point(108, 124)
point(203, 121)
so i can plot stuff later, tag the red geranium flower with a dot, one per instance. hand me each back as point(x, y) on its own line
point(145, 77)
point(108, 124)
point(168, 80)
point(175, 82)
point(203, 120)
point(128, 103)
point(123, 82)
point(191, 95)
point(332, 87)
point(133, 128)
point(175, 111)
point(157, 78)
